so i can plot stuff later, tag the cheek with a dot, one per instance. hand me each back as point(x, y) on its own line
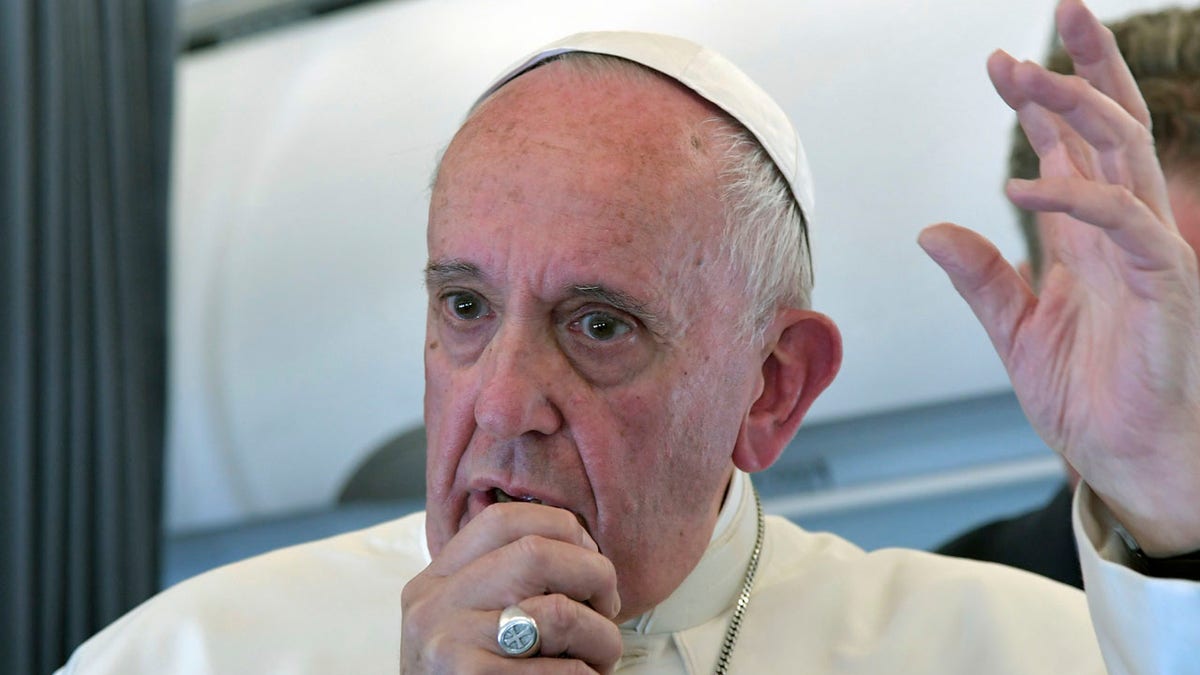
point(665, 486)
point(448, 423)
point(624, 439)
point(675, 437)
point(449, 418)
point(711, 410)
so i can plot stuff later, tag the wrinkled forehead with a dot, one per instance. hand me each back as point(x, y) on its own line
point(700, 70)
point(565, 146)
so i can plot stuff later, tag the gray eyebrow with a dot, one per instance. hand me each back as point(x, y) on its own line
point(451, 271)
point(624, 302)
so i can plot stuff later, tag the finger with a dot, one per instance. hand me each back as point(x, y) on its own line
point(488, 663)
point(533, 566)
point(1000, 65)
point(508, 666)
point(1045, 100)
point(991, 287)
point(1097, 58)
point(1098, 119)
point(1039, 125)
point(501, 524)
point(1127, 220)
point(1123, 148)
point(472, 647)
point(571, 630)
point(1059, 148)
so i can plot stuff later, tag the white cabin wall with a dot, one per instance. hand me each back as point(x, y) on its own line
point(301, 163)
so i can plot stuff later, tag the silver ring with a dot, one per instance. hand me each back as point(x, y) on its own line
point(518, 633)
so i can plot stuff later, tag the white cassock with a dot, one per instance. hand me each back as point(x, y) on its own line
point(819, 606)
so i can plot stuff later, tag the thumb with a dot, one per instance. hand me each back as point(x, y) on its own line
point(994, 290)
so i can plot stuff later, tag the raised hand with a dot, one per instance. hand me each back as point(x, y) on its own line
point(1106, 358)
point(536, 557)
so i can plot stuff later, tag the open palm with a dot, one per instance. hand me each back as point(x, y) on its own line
point(1106, 358)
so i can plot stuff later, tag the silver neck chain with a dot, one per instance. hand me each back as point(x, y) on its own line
point(735, 623)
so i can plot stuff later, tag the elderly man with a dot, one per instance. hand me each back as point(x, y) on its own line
point(619, 332)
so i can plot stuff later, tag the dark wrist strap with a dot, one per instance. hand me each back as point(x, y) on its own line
point(1185, 566)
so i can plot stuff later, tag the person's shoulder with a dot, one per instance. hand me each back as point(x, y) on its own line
point(288, 610)
point(903, 602)
point(795, 552)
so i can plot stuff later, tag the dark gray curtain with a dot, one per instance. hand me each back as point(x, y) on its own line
point(85, 118)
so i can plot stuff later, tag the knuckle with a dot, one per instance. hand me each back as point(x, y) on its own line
point(1143, 136)
point(1107, 36)
point(1126, 201)
point(565, 520)
point(533, 551)
point(608, 569)
point(492, 516)
point(419, 601)
point(435, 654)
point(411, 594)
point(608, 573)
point(440, 649)
point(560, 611)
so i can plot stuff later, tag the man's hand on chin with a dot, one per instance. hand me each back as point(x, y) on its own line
point(535, 557)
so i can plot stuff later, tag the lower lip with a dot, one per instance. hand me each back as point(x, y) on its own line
point(477, 501)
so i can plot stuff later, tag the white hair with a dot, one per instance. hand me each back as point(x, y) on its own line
point(765, 230)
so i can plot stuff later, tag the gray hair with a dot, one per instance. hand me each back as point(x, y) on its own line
point(765, 230)
point(766, 233)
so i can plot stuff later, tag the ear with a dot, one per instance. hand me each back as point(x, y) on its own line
point(802, 354)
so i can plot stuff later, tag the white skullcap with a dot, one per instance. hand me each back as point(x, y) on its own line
point(708, 74)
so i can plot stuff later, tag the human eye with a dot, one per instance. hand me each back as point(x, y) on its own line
point(465, 305)
point(601, 326)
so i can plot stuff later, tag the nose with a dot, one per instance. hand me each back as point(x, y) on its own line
point(518, 374)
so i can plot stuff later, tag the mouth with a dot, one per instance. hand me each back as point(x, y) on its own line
point(502, 497)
